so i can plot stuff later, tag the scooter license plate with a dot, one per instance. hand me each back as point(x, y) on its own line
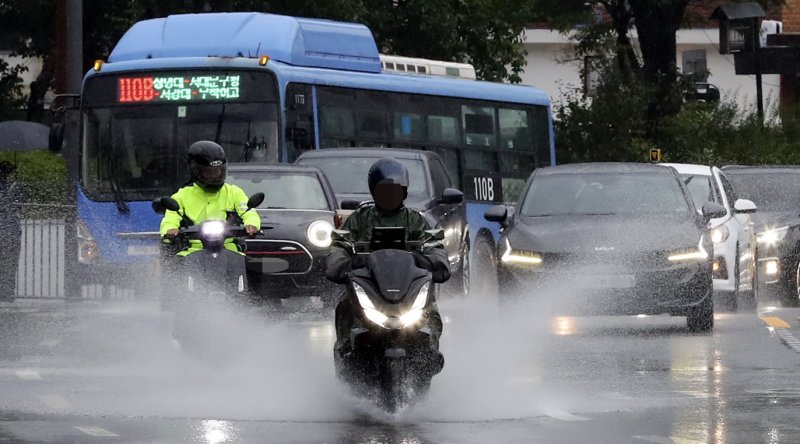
point(612, 281)
point(142, 250)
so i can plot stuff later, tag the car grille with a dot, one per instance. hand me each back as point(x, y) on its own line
point(608, 260)
point(278, 257)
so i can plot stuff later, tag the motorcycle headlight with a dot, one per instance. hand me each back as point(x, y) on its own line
point(773, 236)
point(519, 257)
point(689, 254)
point(369, 308)
point(213, 229)
point(412, 316)
point(319, 233)
point(719, 234)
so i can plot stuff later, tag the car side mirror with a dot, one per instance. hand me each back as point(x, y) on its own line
point(451, 196)
point(498, 213)
point(162, 204)
point(255, 200)
point(744, 206)
point(350, 204)
point(713, 210)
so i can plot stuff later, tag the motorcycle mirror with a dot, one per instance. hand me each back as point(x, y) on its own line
point(162, 204)
point(255, 200)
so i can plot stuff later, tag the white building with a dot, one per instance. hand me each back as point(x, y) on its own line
point(548, 70)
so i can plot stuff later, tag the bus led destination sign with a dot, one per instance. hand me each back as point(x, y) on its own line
point(178, 88)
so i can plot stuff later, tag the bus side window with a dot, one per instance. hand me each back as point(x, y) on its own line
point(479, 126)
point(452, 164)
point(515, 130)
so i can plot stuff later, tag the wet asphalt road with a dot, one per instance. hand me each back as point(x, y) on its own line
point(109, 373)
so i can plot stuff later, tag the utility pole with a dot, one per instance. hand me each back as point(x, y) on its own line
point(74, 53)
point(757, 52)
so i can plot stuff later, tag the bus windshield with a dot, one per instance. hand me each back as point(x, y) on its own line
point(136, 149)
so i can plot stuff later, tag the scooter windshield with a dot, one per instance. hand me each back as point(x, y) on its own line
point(394, 272)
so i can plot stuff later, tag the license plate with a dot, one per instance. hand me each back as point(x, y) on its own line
point(612, 281)
point(143, 250)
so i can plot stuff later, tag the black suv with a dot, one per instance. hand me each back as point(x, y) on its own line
point(430, 192)
point(776, 192)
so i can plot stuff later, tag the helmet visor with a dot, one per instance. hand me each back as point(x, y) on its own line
point(211, 175)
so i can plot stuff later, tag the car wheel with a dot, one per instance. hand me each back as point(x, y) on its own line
point(748, 299)
point(458, 285)
point(483, 274)
point(733, 299)
point(700, 318)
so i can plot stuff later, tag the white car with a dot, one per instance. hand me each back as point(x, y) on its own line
point(733, 235)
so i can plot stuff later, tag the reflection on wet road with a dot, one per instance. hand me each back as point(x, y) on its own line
point(94, 373)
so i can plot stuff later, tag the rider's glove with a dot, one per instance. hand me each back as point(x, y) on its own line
point(172, 233)
point(358, 261)
point(422, 261)
point(251, 230)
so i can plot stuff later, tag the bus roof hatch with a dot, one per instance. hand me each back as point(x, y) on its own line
point(291, 40)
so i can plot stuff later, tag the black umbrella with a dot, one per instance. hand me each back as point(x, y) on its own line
point(19, 135)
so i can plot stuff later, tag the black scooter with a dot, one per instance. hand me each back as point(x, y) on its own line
point(193, 285)
point(391, 357)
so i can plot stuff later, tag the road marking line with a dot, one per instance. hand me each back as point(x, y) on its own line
point(96, 431)
point(775, 322)
point(655, 438)
point(789, 339)
point(29, 374)
point(55, 402)
point(32, 359)
point(565, 416)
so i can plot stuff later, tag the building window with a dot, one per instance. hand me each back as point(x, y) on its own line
point(694, 63)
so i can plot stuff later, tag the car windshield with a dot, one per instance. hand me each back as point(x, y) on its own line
point(283, 189)
point(770, 190)
point(604, 194)
point(348, 175)
point(699, 187)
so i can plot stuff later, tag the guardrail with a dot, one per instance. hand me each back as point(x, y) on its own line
point(41, 268)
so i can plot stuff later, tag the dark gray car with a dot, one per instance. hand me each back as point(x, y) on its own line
point(776, 192)
point(609, 238)
point(430, 191)
point(297, 216)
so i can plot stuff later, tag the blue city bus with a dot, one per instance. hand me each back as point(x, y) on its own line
point(267, 88)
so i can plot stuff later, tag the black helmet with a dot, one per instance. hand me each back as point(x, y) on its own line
point(388, 172)
point(207, 165)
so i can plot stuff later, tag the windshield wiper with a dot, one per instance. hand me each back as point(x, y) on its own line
point(119, 197)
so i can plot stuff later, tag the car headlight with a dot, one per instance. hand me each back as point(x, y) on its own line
point(213, 229)
point(408, 319)
point(319, 233)
point(519, 257)
point(719, 234)
point(772, 236)
point(698, 253)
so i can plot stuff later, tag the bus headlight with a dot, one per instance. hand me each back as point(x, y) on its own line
point(88, 251)
point(319, 233)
